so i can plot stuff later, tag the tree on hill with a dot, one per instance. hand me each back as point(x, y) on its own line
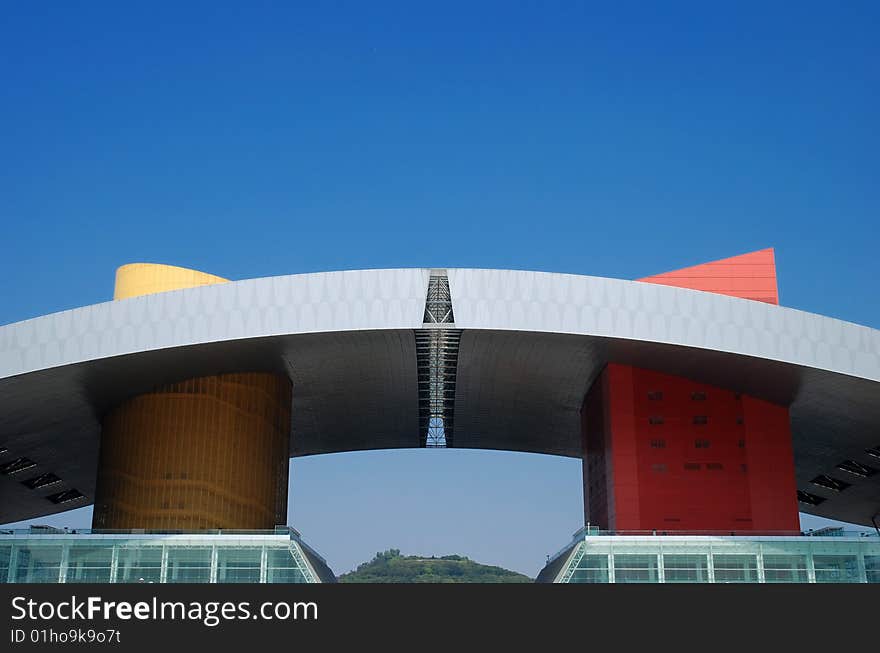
point(391, 567)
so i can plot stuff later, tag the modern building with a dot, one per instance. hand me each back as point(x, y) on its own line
point(697, 403)
point(830, 555)
point(52, 555)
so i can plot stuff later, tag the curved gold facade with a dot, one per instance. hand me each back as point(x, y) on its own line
point(210, 452)
point(136, 279)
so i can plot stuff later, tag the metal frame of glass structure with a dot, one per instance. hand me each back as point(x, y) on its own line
point(596, 558)
point(437, 359)
point(55, 556)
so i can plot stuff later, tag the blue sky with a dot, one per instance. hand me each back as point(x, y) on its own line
point(614, 139)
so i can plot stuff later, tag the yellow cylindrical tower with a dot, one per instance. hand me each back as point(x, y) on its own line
point(205, 453)
point(136, 279)
point(209, 452)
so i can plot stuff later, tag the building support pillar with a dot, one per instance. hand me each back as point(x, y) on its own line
point(205, 453)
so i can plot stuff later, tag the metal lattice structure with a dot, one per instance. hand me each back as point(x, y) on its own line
point(437, 355)
point(438, 304)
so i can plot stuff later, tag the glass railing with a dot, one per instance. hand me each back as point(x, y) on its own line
point(593, 531)
point(824, 532)
point(52, 530)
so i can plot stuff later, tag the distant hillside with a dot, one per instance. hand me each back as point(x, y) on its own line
point(391, 567)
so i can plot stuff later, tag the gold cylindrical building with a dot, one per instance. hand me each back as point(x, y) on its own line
point(137, 279)
point(204, 453)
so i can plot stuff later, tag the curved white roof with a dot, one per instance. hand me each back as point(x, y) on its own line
point(531, 343)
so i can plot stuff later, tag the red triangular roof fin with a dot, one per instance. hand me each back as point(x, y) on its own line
point(749, 276)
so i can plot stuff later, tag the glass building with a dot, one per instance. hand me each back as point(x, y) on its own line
point(48, 555)
point(829, 556)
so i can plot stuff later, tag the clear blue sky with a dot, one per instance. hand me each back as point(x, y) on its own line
point(613, 139)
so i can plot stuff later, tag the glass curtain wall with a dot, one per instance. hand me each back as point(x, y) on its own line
point(101, 559)
point(610, 559)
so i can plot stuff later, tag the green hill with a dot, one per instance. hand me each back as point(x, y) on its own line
point(391, 567)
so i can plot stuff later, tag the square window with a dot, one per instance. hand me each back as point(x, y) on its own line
point(189, 564)
point(634, 568)
point(17, 465)
point(809, 499)
point(66, 496)
point(43, 480)
point(785, 568)
point(282, 568)
point(37, 564)
point(830, 483)
point(735, 568)
point(591, 569)
point(836, 568)
point(139, 564)
point(238, 565)
point(89, 563)
point(872, 568)
point(856, 468)
point(5, 556)
point(685, 568)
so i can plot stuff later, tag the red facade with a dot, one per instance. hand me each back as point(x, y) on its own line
point(749, 276)
point(666, 453)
